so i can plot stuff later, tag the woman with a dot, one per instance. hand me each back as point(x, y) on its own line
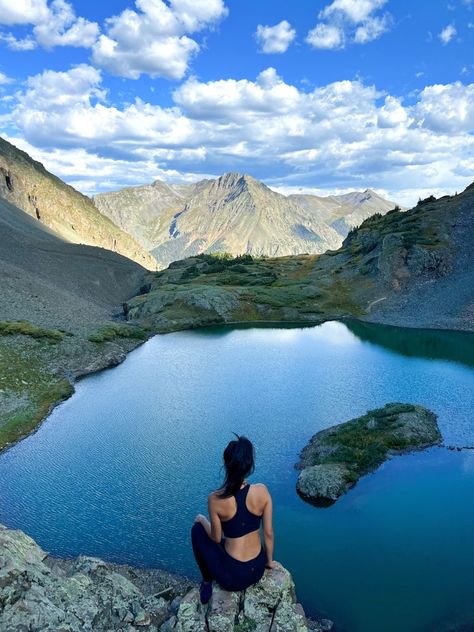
point(237, 560)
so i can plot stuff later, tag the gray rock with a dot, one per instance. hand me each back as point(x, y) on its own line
point(235, 214)
point(89, 596)
point(269, 604)
point(324, 483)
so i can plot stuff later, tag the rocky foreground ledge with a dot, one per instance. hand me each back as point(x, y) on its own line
point(43, 594)
point(335, 458)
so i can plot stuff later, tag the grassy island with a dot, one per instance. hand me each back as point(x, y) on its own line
point(335, 458)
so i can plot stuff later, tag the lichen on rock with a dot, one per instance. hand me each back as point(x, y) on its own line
point(268, 606)
point(42, 594)
point(87, 595)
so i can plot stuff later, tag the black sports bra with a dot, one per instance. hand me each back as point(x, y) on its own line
point(244, 521)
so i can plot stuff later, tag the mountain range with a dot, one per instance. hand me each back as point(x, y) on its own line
point(234, 213)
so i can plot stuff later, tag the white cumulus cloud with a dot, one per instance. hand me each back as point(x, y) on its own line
point(326, 36)
point(23, 11)
point(154, 40)
point(14, 43)
point(349, 21)
point(4, 79)
point(275, 39)
point(447, 108)
point(354, 10)
point(54, 24)
point(337, 136)
point(371, 29)
point(392, 113)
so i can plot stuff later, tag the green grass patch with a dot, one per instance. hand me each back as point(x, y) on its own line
point(363, 443)
point(112, 331)
point(28, 388)
point(25, 328)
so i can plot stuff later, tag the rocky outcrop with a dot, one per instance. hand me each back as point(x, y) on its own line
point(37, 595)
point(41, 594)
point(335, 458)
point(269, 606)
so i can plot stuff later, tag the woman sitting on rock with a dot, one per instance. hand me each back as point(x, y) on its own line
point(228, 549)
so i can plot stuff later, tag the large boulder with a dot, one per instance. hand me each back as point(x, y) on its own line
point(323, 483)
point(88, 596)
point(268, 606)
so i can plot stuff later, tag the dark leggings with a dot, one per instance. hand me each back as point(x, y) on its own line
point(215, 563)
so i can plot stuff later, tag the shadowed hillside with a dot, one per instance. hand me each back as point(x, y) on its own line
point(56, 317)
point(52, 203)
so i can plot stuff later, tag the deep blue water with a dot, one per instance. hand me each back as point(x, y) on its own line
point(120, 469)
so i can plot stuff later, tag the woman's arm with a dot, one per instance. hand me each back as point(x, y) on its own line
point(268, 536)
point(205, 523)
point(215, 527)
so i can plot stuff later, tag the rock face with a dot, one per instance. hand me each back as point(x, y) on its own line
point(324, 483)
point(56, 205)
point(142, 211)
point(335, 458)
point(40, 594)
point(88, 596)
point(235, 214)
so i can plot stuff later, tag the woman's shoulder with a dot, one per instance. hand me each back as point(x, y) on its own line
point(215, 495)
point(260, 488)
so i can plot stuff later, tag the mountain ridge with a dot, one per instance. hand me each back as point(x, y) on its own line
point(235, 213)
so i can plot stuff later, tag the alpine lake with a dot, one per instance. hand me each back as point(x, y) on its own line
point(120, 470)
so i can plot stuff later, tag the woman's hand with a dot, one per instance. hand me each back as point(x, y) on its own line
point(270, 565)
point(200, 518)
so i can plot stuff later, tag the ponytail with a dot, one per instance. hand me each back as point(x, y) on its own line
point(239, 462)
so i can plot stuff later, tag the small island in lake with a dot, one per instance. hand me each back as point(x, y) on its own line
point(335, 458)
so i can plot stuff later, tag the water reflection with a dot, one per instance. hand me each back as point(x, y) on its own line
point(433, 344)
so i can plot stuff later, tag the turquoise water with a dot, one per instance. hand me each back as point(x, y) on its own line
point(120, 469)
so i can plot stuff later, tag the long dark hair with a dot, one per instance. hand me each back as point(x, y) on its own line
point(239, 462)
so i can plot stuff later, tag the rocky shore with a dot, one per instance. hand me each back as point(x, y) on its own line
point(39, 593)
point(335, 458)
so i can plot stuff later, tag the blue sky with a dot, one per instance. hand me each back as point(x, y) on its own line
point(323, 96)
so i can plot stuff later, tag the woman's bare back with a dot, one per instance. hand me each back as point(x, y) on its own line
point(248, 546)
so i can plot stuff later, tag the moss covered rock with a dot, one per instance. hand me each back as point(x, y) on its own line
point(335, 458)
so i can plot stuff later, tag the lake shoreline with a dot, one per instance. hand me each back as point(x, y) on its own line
point(111, 355)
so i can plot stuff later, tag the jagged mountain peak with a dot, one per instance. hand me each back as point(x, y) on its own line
point(234, 179)
point(237, 213)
